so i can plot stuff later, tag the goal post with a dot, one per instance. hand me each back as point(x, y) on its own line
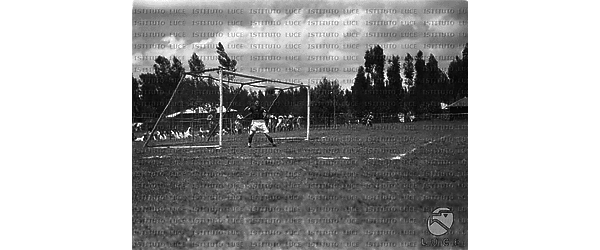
point(223, 81)
point(220, 107)
point(308, 113)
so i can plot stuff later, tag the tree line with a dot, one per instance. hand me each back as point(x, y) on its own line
point(412, 84)
point(384, 84)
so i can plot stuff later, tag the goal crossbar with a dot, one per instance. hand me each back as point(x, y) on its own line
point(250, 83)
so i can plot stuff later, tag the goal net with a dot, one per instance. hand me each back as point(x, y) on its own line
point(215, 116)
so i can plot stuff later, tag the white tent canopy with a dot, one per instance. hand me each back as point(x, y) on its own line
point(225, 110)
point(200, 110)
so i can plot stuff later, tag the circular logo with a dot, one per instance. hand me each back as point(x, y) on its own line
point(440, 221)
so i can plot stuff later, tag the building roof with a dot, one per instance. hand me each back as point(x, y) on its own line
point(459, 104)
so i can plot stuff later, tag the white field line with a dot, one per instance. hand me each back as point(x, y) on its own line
point(155, 156)
point(289, 138)
point(396, 157)
point(399, 157)
point(268, 157)
point(180, 147)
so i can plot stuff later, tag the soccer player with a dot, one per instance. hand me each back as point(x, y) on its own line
point(290, 122)
point(298, 121)
point(272, 122)
point(370, 118)
point(209, 118)
point(401, 117)
point(411, 116)
point(258, 115)
point(279, 126)
point(237, 124)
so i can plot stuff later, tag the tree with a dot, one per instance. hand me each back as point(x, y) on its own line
point(408, 71)
point(167, 75)
point(261, 98)
point(374, 67)
point(169, 78)
point(177, 69)
point(195, 63)
point(431, 67)
point(458, 75)
point(349, 100)
point(360, 86)
point(464, 87)
point(135, 97)
point(157, 88)
point(419, 69)
point(225, 61)
point(417, 93)
point(326, 97)
point(152, 95)
point(162, 66)
point(433, 87)
point(394, 86)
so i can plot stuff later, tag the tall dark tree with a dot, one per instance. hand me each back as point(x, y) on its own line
point(195, 63)
point(393, 73)
point(261, 98)
point(394, 87)
point(224, 59)
point(360, 87)
point(434, 85)
point(408, 71)
point(432, 64)
point(464, 88)
point(177, 69)
point(374, 66)
point(349, 100)
point(439, 79)
point(326, 98)
point(162, 66)
point(167, 74)
point(158, 88)
point(416, 95)
point(136, 97)
point(419, 69)
point(458, 75)
point(153, 96)
point(226, 62)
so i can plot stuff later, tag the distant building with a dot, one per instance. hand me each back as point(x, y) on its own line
point(460, 106)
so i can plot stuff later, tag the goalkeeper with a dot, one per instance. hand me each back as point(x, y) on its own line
point(258, 115)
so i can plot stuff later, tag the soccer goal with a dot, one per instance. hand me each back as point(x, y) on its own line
point(209, 126)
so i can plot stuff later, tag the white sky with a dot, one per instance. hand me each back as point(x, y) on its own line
point(313, 29)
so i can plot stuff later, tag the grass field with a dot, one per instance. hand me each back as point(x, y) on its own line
point(347, 188)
